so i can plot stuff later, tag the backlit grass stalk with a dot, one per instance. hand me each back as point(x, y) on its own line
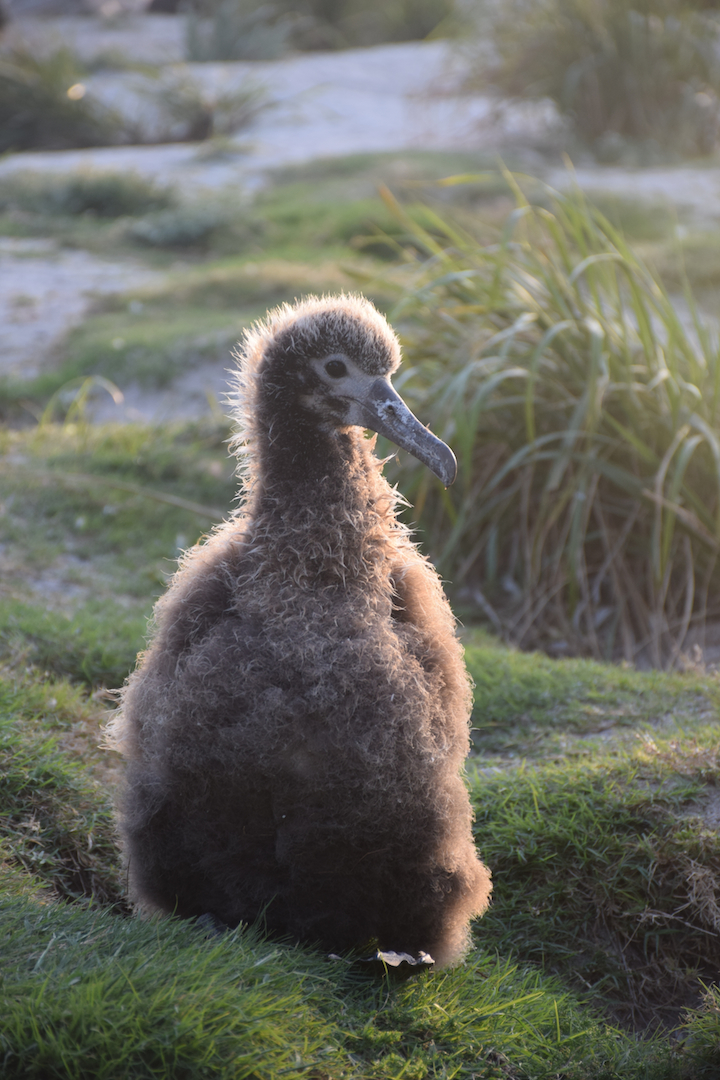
point(584, 410)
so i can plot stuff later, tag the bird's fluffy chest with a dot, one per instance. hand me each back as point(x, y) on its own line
point(320, 671)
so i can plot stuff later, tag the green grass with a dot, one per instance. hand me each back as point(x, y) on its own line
point(100, 997)
point(582, 407)
point(632, 81)
point(96, 517)
point(594, 848)
point(101, 194)
point(605, 874)
point(144, 347)
point(692, 258)
point(87, 995)
point(318, 228)
point(595, 795)
point(299, 237)
point(639, 220)
point(55, 819)
point(155, 224)
point(602, 915)
point(244, 30)
point(529, 706)
point(590, 783)
point(96, 644)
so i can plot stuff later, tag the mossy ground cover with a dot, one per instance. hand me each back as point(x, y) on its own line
point(55, 816)
point(93, 519)
point(595, 786)
point(86, 994)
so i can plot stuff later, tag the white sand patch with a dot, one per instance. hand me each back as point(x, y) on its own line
point(693, 188)
point(199, 392)
point(44, 291)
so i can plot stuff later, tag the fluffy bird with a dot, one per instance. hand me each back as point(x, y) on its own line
point(295, 733)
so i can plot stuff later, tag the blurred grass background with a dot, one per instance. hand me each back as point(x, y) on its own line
point(637, 81)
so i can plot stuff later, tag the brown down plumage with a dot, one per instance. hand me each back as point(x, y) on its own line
point(295, 733)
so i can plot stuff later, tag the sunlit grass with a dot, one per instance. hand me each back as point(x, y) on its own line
point(592, 864)
point(529, 706)
point(86, 995)
point(55, 819)
point(605, 873)
point(582, 404)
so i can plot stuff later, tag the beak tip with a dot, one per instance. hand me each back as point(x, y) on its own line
point(447, 467)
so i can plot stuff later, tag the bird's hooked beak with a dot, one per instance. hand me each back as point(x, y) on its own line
point(385, 411)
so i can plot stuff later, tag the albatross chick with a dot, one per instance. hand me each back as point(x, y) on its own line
point(295, 733)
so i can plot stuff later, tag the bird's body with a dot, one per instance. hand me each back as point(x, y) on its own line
point(295, 734)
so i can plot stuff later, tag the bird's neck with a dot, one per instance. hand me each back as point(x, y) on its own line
point(297, 451)
point(321, 511)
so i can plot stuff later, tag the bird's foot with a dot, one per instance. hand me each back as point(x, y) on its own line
point(395, 959)
point(401, 965)
point(212, 926)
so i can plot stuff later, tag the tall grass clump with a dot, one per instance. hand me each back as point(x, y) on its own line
point(584, 409)
point(191, 112)
point(98, 193)
point(235, 30)
point(372, 22)
point(647, 71)
point(248, 30)
point(43, 105)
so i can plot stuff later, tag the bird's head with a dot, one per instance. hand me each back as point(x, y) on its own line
point(329, 360)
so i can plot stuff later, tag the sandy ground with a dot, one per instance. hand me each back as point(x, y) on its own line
point(389, 98)
point(44, 291)
point(693, 190)
point(200, 391)
point(148, 39)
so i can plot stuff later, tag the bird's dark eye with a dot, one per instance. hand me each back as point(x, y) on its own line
point(336, 369)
